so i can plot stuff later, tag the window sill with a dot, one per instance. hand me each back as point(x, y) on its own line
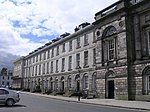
point(86, 44)
point(78, 47)
point(85, 66)
point(56, 71)
point(70, 50)
point(62, 70)
point(70, 69)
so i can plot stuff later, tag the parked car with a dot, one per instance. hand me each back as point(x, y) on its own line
point(8, 97)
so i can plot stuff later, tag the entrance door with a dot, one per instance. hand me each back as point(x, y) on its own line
point(52, 86)
point(63, 86)
point(78, 85)
point(111, 89)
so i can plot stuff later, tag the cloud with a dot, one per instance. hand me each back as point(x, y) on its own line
point(41, 18)
point(11, 42)
point(26, 25)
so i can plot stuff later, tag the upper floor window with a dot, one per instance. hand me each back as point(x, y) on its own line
point(44, 68)
point(146, 42)
point(33, 60)
point(70, 63)
point(47, 67)
point(111, 49)
point(63, 49)
point(57, 52)
point(40, 57)
point(78, 42)
point(32, 71)
point(86, 39)
point(94, 56)
point(63, 64)
point(48, 54)
point(109, 44)
point(52, 55)
point(39, 69)
point(56, 66)
point(44, 55)
point(77, 60)
point(86, 59)
point(37, 58)
point(52, 67)
point(35, 70)
point(30, 61)
point(70, 45)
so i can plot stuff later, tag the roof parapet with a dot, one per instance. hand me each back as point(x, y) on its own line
point(110, 9)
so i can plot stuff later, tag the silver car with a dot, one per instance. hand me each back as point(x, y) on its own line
point(8, 97)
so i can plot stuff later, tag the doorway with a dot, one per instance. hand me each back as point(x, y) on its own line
point(78, 85)
point(62, 84)
point(111, 89)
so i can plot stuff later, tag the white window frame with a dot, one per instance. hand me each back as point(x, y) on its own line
point(86, 40)
point(78, 60)
point(57, 65)
point(63, 65)
point(148, 82)
point(148, 38)
point(78, 42)
point(86, 56)
point(111, 48)
point(85, 82)
point(70, 45)
point(70, 63)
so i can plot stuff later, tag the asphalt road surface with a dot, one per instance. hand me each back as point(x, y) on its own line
point(32, 103)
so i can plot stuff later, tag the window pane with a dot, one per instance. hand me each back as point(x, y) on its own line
point(85, 58)
point(149, 82)
point(111, 49)
point(77, 60)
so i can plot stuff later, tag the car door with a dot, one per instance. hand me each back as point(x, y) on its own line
point(3, 95)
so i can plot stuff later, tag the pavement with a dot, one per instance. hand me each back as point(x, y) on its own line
point(140, 105)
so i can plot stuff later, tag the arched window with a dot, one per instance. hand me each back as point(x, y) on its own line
point(69, 82)
point(85, 81)
point(62, 83)
point(146, 80)
point(56, 84)
point(94, 81)
point(109, 43)
point(51, 84)
point(109, 31)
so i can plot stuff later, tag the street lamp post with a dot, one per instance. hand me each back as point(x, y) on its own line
point(78, 82)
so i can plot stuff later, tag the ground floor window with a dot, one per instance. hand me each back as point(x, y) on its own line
point(85, 82)
point(146, 80)
point(69, 82)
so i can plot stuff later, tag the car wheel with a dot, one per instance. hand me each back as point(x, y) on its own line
point(10, 102)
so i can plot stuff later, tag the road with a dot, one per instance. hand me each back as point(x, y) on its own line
point(32, 103)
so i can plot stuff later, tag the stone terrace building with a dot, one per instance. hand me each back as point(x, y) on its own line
point(122, 31)
point(108, 58)
point(64, 65)
point(18, 73)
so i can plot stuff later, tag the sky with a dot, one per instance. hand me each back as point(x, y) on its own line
point(26, 25)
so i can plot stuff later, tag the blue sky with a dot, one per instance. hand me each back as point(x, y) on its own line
point(28, 24)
